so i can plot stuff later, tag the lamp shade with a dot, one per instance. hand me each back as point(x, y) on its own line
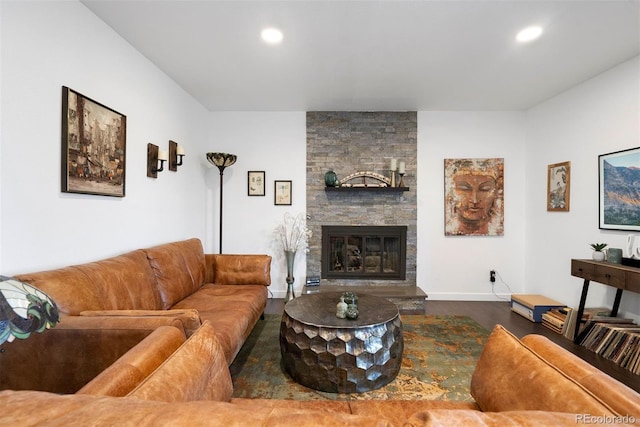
point(221, 160)
point(24, 309)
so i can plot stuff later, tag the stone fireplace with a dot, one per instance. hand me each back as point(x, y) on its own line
point(349, 142)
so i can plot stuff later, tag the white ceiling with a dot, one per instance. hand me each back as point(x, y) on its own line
point(376, 55)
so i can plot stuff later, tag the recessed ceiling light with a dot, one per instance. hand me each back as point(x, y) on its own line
point(271, 35)
point(529, 34)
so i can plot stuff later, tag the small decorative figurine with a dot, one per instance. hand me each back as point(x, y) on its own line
point(350, 298)
point(352, 311)
point(341, 309)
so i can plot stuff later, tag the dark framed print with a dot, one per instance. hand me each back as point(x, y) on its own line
point(255, 183)
point(619, 193)
point(94, 139)
point(282, 194)
point(558, 187)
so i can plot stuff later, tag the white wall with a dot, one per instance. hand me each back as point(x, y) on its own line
point(597, 117)
point(457, 267)
point(46, 45)
point(270, 142)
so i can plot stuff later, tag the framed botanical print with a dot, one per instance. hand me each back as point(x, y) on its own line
point(558, 187)
point(282, 193)
point(94, 139)
point(255, 183)
point(619, 192)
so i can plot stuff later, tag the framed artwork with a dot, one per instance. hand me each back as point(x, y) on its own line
point(94, 141)
point(255, 183)
point(619, 193)
point(282, 193)
point(558, 187)
point(474, 197)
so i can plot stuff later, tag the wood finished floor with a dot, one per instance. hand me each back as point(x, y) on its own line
point(490, 313)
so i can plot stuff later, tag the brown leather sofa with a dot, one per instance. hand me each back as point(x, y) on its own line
point(174, 280)
point(168, 371)
point(532, 382)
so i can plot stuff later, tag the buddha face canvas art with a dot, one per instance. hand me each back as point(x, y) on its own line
point(474, 197)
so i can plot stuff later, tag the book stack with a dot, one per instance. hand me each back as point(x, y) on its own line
point(555, 319)
point(615, 339)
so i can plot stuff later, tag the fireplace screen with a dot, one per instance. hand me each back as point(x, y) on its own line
point(364, 252)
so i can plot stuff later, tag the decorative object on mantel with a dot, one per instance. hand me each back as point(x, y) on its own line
point(222, 161)
point(597, 254)
point(381, 181)
point(24, 309)
point(294, 235)
point(401, 170)
point(330, 179)
point(392, 170)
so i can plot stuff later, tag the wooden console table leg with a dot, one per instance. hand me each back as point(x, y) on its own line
point(616, 303)
point(583, 300)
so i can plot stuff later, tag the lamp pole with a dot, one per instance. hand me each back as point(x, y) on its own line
point(221, 161)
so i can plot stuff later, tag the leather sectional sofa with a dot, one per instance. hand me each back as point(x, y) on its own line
point(172, 366)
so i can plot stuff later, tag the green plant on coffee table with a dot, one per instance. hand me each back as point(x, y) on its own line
point(598, 247)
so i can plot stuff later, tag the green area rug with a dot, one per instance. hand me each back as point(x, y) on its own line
point(440, 353)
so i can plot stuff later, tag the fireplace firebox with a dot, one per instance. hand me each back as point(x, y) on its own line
point(364, 252)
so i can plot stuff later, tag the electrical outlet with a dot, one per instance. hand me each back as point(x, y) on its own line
point(492, 276)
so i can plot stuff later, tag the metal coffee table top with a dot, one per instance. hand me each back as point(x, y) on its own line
point(320, 310)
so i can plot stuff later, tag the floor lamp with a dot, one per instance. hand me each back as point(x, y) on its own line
point(221, 160)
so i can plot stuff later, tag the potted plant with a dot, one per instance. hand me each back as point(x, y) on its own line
point(597, 254)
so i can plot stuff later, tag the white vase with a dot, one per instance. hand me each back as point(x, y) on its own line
point(597, 256)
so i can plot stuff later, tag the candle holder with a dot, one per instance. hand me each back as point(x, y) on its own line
point(393, 177)
point(401, 183)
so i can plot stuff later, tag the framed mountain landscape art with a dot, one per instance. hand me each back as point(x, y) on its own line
point(619, 175)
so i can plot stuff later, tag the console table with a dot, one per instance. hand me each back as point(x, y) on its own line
point(617, 276)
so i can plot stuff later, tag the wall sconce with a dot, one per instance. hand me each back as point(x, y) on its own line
point(176, 153)
point(153, 156)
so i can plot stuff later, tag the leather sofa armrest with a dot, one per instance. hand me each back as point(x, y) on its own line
point(189, 318)
point(196, 371)
point(120, 323)
point(136, 364)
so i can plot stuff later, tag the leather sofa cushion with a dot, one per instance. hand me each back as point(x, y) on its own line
point(124, 282)
point(466, 418)
point(511, 377)
point(179, 268)
point(242, 269)
point(196, 371)
point(621, 398)
point(136, 364)
point(37, 408)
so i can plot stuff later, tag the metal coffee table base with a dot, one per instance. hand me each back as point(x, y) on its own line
point(341, 359)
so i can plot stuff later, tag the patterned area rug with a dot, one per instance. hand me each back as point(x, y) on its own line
point(440, 354)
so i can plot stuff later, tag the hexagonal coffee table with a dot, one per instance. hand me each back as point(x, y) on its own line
point(326, 353)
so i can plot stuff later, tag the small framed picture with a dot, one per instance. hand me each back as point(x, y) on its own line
point(282, 193)
point(255, 183)
point(558, 186)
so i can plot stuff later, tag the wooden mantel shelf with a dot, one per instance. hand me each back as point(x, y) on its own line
point(381, 189)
